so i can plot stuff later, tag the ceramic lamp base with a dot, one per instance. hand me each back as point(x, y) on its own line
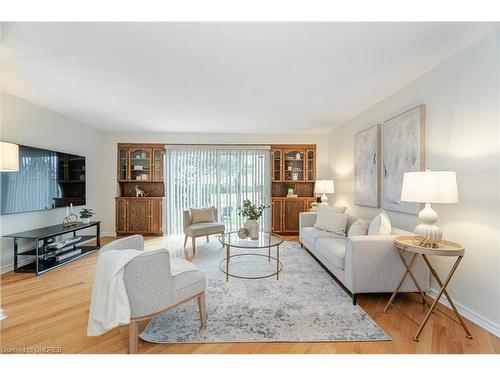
point(430, 233)
point(324, 200)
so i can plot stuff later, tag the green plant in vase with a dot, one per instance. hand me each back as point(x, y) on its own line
point(253, 213)
point(86, 214)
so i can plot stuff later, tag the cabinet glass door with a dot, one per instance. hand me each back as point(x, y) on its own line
point(122, 164)
point(157, 164)
point(311, 165)
point(140, 164)
point(277, 156)
point(294, 165)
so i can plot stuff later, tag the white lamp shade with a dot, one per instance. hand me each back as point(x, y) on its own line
point(9, 157)
point(324, 187)
point(430, 187)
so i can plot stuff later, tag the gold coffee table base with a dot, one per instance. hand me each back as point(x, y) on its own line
point(276, 273)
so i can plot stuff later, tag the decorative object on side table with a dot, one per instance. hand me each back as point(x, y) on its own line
point(139, 192)
point(429, 187)
point(243, 233)
point(404, 244)
point(71, 219)
point(86, 214)
point(324, 187)
point(253, 214)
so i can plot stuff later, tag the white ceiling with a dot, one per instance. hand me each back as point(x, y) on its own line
point(221, 77)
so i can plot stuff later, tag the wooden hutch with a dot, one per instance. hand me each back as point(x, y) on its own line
point(291, 164)
point(140, 164)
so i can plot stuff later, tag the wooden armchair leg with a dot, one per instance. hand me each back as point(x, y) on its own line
point(208, 239)
point(185, 241)
point(201, 309)
point(193, 241)
point(133, 337)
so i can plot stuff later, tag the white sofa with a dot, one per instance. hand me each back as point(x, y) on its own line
point(362, 264)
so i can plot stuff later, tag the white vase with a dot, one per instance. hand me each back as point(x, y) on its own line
point(253, 228)
point(86, 220)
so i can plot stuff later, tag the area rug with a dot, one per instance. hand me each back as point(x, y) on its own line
point(304, 305)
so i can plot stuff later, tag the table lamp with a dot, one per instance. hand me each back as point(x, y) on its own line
point(9, 162)
point(324, 187)
point(429, 187)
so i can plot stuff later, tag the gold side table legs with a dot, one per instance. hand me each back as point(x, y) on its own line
point(408, 271)
point(408, 266)
point(441, 292)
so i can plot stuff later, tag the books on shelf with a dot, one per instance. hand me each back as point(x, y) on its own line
point(64, 243)
point(68, 255)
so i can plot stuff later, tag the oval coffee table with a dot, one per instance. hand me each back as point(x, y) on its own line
point(266, 240)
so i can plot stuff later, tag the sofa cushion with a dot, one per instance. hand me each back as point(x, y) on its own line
point(380, 225)
point(328, 221)
point(332, 250)
point(311, 234)
point(187, 279)
point(359, 228)
point(202, 215)
point(204, 229)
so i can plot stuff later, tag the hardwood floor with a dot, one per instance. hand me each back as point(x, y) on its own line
point(52, 310)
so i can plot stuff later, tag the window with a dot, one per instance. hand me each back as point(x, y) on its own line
point(220, 177)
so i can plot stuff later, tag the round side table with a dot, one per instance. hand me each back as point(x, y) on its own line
point(445, 248)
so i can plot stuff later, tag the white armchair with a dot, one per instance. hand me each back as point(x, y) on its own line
point(156, 283)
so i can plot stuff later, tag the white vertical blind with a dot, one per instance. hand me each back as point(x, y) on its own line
point(220, 177)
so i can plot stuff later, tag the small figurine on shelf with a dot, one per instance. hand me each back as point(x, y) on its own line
point(86, 214)
point(139, 192)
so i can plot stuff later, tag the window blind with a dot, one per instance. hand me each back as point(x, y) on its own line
point(221, 177)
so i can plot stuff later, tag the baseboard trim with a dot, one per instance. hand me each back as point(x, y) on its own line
point(473, 316)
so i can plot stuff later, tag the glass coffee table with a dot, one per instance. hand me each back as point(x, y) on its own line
point(266, 240)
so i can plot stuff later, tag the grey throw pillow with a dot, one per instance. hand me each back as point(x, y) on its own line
point(202, 215)
point(359, 228)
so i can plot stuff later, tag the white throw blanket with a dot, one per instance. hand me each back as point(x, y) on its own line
point(110, 305)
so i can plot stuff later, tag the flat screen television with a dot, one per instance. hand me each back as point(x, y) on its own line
point(46, 179)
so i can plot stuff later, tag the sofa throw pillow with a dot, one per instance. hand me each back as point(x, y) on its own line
point(380, 225)
point(359, 228)
point(202, 215)
point(333, 209)
point(330, 222)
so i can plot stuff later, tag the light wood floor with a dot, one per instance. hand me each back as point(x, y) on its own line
point(52, 310)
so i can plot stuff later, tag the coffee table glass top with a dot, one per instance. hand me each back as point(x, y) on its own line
point(265, 240)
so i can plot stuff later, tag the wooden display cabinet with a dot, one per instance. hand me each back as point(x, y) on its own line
point(139, 215)
point(140, 165)
point(291, 164)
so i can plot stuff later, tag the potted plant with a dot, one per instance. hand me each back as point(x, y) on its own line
point(253, 213)
point(290, 186)
point(86, 214)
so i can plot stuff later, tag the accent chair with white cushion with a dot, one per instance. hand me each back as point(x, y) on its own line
point(201, 222)
point(156, 283)
point(361, 263)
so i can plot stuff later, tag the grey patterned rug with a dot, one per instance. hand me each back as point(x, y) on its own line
point(305, 305)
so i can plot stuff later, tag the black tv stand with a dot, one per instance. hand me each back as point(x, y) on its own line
point(48, 257)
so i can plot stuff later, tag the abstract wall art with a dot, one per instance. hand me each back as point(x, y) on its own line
point(402, 151)
point(367, 167)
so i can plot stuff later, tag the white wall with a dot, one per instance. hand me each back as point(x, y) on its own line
point(112, 139)
point(25, 123)
point(462, 134)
